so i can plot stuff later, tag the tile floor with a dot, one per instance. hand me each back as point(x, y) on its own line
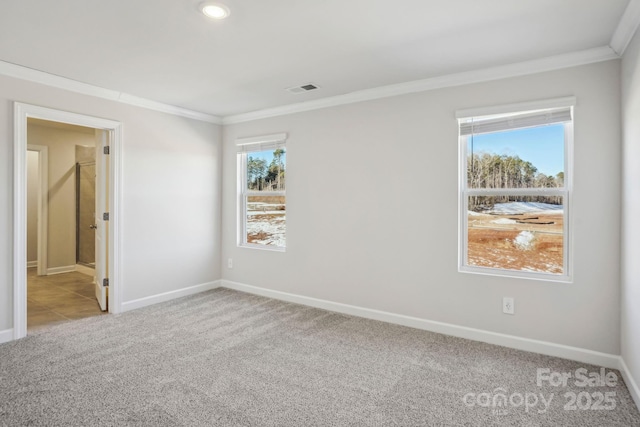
point(59, 298)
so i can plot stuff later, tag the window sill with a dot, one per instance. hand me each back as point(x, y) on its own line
point(527, 275)
point(262, 247)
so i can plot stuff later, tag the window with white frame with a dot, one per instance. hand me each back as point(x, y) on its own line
point(262, 165)
point(515, 183)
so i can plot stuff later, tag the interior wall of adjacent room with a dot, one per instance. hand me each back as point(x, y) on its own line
point(170, 193)
point(630, 306)
point(61, 143)
point(372, 211)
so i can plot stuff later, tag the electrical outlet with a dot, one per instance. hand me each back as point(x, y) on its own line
point(508, 306)
point(230, 263)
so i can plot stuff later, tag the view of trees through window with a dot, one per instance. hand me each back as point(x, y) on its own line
point(266, 170)
point(490, 170)
point(265, 197)
point(507, 229)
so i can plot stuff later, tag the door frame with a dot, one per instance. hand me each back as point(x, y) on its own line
point(21, 113)
point(43, 206)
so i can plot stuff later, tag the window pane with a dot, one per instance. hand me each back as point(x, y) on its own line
point(266, 170)
point(521, 158)
point(266, 219)
point(516, 233)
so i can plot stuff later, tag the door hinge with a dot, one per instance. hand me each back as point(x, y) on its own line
point(105, 282)
point(106, 150)
point(105, 216)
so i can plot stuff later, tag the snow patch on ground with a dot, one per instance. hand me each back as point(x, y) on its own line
point(524, 240)
point(272, 227)
point(513, 208)
point(503, 221)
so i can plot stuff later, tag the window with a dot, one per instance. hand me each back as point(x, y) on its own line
point(262, 164)
point(515, 182)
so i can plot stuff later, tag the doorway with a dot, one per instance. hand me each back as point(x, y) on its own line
point(106, 225)
point(63, 288)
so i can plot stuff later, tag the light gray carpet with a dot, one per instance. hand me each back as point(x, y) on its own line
point(225, 358)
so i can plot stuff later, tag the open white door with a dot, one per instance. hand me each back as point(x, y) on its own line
point(102, 222)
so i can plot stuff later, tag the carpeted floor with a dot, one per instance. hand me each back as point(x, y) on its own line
point(225, 358)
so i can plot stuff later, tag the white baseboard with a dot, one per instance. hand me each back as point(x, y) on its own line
point(60, 270)
point(31, 264)
point(634, 390)
point(168, 296)
point(85, 270)
point(6, 336)
point(511, 341)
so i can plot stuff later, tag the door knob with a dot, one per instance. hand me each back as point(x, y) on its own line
point(93, 226)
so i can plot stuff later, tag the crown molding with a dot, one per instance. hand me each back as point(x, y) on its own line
point(24, 73)
point(573, 59)
point(631, 19)
point(626, 27)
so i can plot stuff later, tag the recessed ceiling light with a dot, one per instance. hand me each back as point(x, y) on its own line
point(215, 10)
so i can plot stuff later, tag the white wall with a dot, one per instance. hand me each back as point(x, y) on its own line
point(630, 307)
point(171, 193)
point(61, 194)
point(32, 205)
point(393, 246)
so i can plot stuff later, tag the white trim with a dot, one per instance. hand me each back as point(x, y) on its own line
point(263, 139)
point(465, 192)
point(85, 270)
point(169, 109)
point(21, 113)
point(6, 336)
point(541, 104)
point(632, 386)
point(243, 193)
point(61, 270)
point(269, 248)
point(544, 191)
point(626, 27)
point(41, 77)
point(514, 274)
point(43, 207)
point(19, 222)
point(115, 255)
point(32, 264)
point(168, 296)
point(574, 59)
point(568, 198)
point(511, 341)
point(50, 114)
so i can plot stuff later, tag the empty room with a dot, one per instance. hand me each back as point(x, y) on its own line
point(297, 213)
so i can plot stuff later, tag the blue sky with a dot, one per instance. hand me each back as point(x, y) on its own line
point(542, 146)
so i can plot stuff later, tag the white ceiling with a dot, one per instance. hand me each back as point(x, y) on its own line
point(166, 51)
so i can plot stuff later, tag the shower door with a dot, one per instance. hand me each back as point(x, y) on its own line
point(85, 214)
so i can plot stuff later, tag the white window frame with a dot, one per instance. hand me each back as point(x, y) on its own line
point(463, 116)
point(246, 146)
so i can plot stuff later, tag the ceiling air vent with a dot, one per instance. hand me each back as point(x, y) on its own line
point(304, 88)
